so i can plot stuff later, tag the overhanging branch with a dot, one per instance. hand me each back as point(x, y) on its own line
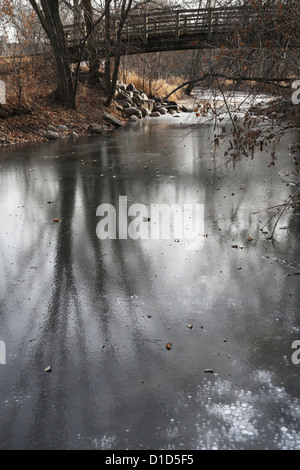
point(268, 81)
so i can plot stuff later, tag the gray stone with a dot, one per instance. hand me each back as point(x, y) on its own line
point(172, 111)
point(186, 110)
point(133, 112)
point(113, 120)
point(126, 104)
point(131, 87)
point(133, 118)
point(162, 110)
point(73, 135)
point(172, 106)
point(50, 135)
point(155, 114)
point(145, 112)
point(62, 128)
point(52, 128)
point(121, 96)
point(137, 95)
point(171, 103)
point(95, 129)
point(144, 97)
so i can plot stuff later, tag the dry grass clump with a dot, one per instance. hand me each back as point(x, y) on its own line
point(159, 87)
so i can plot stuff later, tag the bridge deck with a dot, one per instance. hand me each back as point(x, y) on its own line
point(173, 30)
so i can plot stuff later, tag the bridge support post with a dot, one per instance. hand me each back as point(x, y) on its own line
point(209, 21)
point(177, 30)
point(146, 28)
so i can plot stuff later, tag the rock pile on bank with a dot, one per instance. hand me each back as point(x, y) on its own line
point(278, 110)
point(130, 104)
point(135, 105)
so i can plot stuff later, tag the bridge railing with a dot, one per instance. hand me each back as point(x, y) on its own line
point(174, 24)
point(181, 22)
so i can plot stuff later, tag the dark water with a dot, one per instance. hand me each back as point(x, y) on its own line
point(101, 312)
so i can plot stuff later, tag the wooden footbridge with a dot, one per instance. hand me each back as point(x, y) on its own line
point(176, 30)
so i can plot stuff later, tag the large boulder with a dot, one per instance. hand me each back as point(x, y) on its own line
point(125, 104)
point(174, 107)
point(133, 118)
point(170, 103)
point(162, 110)
point(137, 95)
point(50, 135)
point(52, 128)
point(144, 97)
point(121, 96)
point(185, 109)
point(95, 128)
point(156, 107)
point(145, 112)
point(113, 120)
point(133, 112)
point(135, 100)
point(131, 87)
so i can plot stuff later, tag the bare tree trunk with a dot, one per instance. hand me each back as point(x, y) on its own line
point(94, 57)
point(50, 20)
point(77, 11)
point(107, 48)
point(111, 81)
point(195, 70)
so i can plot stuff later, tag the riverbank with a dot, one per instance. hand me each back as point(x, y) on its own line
point(46, 120)
point(34, 122)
